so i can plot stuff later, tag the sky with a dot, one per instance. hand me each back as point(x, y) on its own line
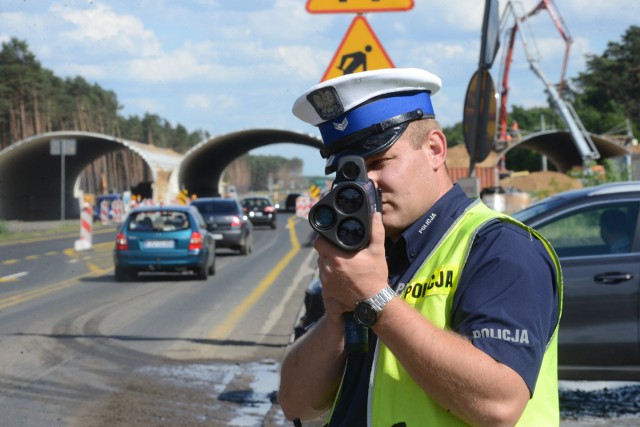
point(230, 65)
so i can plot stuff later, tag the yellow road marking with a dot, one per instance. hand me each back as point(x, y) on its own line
point(96, 270)
point(223, 330)
point(105, 245)
point(32, 257)
point(70, 252)
point(12, 277)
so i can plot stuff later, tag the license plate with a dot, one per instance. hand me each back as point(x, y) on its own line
point(217, 237)
point(158, 244)
point(258, 214)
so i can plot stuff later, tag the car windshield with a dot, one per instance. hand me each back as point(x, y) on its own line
point(158, 221)
point(534, 210)
point(228, 207)
point(261, 203)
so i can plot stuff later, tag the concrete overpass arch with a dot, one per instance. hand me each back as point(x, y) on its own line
point(31, 183)
point(560, 149)
point(203, 165)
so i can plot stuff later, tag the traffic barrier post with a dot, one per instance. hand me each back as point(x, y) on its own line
point(86, 229)
point(104, 212)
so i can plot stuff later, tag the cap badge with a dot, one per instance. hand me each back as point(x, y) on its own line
point(326, 102)
point(342, 125)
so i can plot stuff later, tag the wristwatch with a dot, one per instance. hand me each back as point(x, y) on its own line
point(367, 311)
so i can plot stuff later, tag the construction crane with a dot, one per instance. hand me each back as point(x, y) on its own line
point(514, 12)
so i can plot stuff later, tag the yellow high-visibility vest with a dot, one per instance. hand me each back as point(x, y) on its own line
point(395, 399)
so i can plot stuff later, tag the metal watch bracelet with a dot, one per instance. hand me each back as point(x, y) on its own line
point(379, 300)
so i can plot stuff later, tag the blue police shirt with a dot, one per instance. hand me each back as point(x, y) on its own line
point(508, 284)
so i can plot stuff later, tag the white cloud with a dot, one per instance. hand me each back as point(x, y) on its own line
point(222, 102)
point(176, 66)
point(461, 15)
point(303, 61)
point(12, 22)
point(99, 27)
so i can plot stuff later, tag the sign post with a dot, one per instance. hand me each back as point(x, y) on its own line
point(62, 148)
point(479, 117)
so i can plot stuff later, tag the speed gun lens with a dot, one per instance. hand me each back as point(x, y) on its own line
point(351, 232)
point(324, 217)
point(349, 200)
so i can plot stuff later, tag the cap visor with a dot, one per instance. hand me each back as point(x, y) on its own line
point(367, 147)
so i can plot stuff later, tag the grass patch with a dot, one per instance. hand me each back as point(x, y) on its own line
point(28, 230)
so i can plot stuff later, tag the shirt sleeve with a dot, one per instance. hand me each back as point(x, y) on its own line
point(506, 301)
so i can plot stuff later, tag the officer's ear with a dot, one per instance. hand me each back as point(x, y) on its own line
point(436, 146)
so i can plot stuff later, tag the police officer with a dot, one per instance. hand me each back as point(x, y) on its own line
point(463, 302)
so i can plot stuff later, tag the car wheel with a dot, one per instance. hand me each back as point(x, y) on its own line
point(212, 267)
point(244, 249)
point(273, 225)
point(201, 273)
point(122, 274)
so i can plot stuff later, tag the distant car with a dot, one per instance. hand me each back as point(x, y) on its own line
point(599, 336)
point(290, 202)
point(164, 238)
point(227, 222)
point(260, 210)
point(98, 202)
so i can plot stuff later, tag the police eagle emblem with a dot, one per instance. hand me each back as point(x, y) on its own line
point(326, 102)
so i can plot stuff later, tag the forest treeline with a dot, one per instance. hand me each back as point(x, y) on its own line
point(34, 100)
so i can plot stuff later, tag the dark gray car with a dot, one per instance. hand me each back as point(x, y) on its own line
point(595, 233)
point(227, 222)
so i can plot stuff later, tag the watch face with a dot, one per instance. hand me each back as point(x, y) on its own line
point(365, 314)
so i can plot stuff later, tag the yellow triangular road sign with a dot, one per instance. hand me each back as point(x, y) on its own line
point(360, 50)
point(357, 6)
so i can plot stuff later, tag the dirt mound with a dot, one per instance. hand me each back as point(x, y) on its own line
point(458, 157)
point(542, 184)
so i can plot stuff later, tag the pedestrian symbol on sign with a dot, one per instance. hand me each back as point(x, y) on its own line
point(355, 60)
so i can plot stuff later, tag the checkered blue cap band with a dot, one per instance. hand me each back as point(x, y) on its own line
point(372, 113)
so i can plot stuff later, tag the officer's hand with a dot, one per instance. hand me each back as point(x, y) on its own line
point(349, 277)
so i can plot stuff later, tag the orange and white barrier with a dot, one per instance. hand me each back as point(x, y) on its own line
point(104, 212)
point(117, 210)
point(86, 229)
point(303, 204)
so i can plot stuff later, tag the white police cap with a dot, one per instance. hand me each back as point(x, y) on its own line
point(365, 113)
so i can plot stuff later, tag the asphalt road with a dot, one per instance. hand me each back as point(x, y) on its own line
point(80, 349)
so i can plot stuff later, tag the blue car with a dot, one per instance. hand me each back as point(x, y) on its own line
point(164, 238)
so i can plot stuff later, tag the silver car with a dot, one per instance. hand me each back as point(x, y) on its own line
point(595, 234)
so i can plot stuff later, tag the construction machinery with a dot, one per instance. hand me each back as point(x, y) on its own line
point(514, 22)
